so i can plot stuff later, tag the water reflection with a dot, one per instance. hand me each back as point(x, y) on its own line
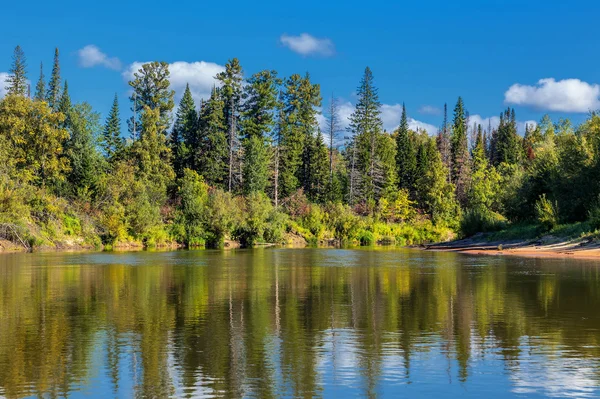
point(297, 323)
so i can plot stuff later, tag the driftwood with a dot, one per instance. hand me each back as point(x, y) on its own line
point(10, 232)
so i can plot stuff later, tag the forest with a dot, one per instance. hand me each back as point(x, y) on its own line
point(253, 165)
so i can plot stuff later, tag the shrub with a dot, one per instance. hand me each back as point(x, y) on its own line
point(257, 208)
point(342, 222)
point(546, 212)
point(366, 237)
point(481, 221)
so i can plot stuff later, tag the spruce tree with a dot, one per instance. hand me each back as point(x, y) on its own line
point(40, 87)
point(151, 88)
point(443, 140)
point(333, 130)
point(508, 148)
point(16, 82)
point(209, 150)
point(300, 99)
point(319, 166)
point(186, 125)
point(64, 104)
point(81, 149)
point(231, 80)
point(366, 124)
point(406, 157)
point(257, 123)
point(111, 136)
point(54, 85)
point(460, 152)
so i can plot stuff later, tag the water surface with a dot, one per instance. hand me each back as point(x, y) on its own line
point(293, 323)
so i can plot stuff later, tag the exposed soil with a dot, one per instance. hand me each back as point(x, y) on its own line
point(545, 247)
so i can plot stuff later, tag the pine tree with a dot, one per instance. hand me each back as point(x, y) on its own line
point(406, 157)
point(257, 123)
point(111, 136)
point(333, 129)
point(366, 124)
point(81, 149)
point(40, 87)
point(508, 148)
point(300, 99)
point(319, 167)
point(152, 156)
point(186, 125)
point(210, 150)
point(64, 104)
point(460, 152)
point(54, 85)
point(443, 140)
point(439, 199)
point(231, 80)
point(16, 82)
point(151, 88)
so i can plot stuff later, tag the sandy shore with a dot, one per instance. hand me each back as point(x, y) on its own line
point(545, 247)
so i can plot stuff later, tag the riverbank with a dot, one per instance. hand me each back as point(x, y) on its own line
point(547, 246)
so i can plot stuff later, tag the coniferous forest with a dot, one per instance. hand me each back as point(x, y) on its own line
point(252, 164)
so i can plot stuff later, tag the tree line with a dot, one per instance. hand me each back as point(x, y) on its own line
point(255, 146)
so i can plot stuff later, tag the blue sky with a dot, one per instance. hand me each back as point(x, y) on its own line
point(424, 53)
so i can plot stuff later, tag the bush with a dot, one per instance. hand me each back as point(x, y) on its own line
point(257, 208)
point(366, 238)
point(342, 222)
point(313, 221)
point(546, 212)
point(481, 221)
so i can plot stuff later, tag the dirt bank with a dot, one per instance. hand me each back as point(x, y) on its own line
point(545, 247)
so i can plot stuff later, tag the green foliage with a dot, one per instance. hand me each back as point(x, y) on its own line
point(151, 89)
point(40, 87)
point(184, 130)
point(112, 142)
point(255, 214)
point(342, 222)
point(406, 155)
point(546, 212)
point(35, 139)
point(54, 85)
point(211, 139)
point(220, 216)
point(193, 194)
point(16, 82)
point(396, 206)
point(481, 221)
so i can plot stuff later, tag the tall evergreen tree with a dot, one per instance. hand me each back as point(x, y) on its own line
point(152, 156)
point(186, 125)
point(366, 124)
point(64, 104)
point(443, 140)
point(319, 167)
point(151, 88)
point(16, 82)
point(406, 156)
point(111, 136)
point(231, 80)
point(257, 123)
point(508, 148)
point(460, 152)
point(333, 130)
point(40, 87)
point(54, 85)
point(210, 152)
point(300, 99)
point(81, 149)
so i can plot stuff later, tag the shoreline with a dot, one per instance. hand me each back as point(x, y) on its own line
point(545, 247)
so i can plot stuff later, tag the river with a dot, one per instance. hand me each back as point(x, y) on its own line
point(271, 323)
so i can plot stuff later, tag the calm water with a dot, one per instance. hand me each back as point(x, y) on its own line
point(297, 323)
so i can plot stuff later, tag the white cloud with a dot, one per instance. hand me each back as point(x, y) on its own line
point(91, 56)
point(3, 76)
point(306, 44)
point(391, 114)
point(568, 95)
point(430, 110)
point(200, 75)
